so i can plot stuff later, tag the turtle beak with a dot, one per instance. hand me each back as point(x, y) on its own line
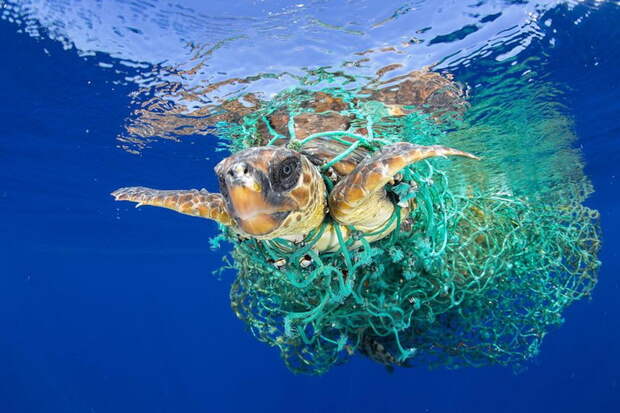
point(241, 175)
point(244, 191)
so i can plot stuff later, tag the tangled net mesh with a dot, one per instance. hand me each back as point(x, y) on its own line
point(477, 278)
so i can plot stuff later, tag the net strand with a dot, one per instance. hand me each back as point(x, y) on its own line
point(477, 278)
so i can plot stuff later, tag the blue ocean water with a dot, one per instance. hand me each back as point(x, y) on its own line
point(105, 308)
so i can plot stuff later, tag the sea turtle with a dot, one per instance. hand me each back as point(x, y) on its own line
point(275, 191)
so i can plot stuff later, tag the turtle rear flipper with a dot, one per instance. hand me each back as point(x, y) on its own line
point(194, 202)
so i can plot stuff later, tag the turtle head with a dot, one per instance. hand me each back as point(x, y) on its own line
point(272, 192)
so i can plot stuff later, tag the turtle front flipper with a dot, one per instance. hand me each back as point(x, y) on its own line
point(360, 199)
point(199, 203)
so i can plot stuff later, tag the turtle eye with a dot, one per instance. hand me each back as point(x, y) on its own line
point(286, 174)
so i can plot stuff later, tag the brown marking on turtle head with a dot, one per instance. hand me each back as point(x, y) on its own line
point(263, 186)
point(307, 178)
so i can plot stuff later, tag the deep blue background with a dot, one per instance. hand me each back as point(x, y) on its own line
point(107, 309)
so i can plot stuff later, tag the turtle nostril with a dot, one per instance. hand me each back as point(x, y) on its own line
point(239, 170)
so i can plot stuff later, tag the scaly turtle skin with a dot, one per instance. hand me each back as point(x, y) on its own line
point(275, 192)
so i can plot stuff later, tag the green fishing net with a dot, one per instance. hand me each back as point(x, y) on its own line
point(477, 275)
